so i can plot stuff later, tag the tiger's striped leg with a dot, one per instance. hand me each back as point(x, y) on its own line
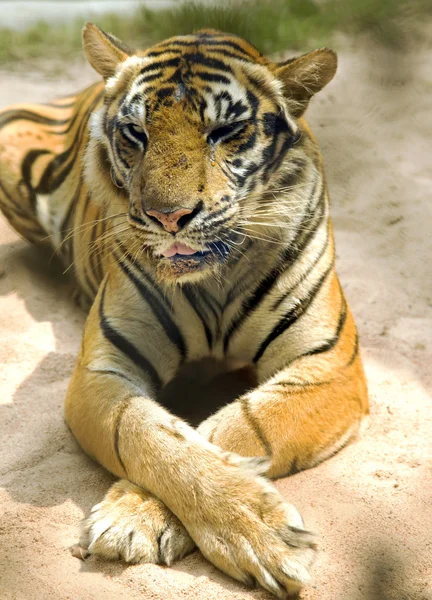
point(233, 514)
point(299, 417)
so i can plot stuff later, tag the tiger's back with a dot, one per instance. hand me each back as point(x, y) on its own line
point(43, 193)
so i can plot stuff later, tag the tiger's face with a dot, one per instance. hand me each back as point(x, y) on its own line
point(197, 132)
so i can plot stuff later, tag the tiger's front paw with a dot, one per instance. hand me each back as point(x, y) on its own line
point(133, 525)
point(245, 528)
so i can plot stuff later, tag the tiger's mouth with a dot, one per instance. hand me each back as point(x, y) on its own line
point(180, 251)
point(182, 259)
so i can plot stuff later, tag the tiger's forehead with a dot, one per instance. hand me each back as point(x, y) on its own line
point(204, 73)
point(209, 42)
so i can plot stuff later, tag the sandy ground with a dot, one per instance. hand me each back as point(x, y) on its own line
point(371, 503)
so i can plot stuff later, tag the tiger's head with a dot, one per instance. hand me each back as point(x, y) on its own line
point(201, 138)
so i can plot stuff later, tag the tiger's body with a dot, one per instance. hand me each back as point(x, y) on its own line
point(188, 193)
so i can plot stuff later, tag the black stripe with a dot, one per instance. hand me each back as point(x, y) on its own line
point(150, 281)
point(212, 303)
point(304, 235)
point(69, 126)
point(122, 409)
point(55, 103)
point(255, 426)
point(191, 297)
point(77, 114)
point(93, 253)
point(139, 220)
point(331, 343)
point(213, 77)
point(228, 54)
point(248, 145)
point(155, 53)
point(229, 175)
point(179, 43)
point(146, 78)
point(228, 44)
point(288, 257)
point(99, 269)
point(250, 170)
point(160, 64)
point(269, 152)
point(160, 312)
point(251, 303)
point(26, 167)
point(292, 315)
point(18, 210)
point(26, 115)
point(355, 352)
point(295, 467)
point(218, 222)
point(302, 385)
point(71, 210)
point(275, 160)
point(197, 58)
point(192, 57)
point(235, 109)
point(64, 162)
point(247, 307)
point(309, 270)
point(214, 215)
point(125, 346)
point(91, 287)
point(113, 373)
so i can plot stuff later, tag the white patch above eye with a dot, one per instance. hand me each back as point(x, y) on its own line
point(131, 61)
point(135, 102)
point(136, 108)
point(210, 111)
point(234, 91)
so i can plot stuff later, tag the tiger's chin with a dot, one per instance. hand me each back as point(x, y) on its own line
point(186, 269)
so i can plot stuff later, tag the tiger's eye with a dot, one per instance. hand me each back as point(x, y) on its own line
point(135, 134)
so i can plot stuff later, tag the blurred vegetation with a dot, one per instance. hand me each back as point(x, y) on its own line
point(271, 25)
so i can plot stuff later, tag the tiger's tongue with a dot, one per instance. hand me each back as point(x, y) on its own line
point(178, 249)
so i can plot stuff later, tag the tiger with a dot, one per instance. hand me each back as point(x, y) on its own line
point(187, 194)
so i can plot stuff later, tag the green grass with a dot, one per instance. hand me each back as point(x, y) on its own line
point(271, 25)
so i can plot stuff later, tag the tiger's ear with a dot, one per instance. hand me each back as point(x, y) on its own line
point(305, 76)
point(103, 51)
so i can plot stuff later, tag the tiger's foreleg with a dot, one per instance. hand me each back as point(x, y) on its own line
point(299, 417)
point(234, 515)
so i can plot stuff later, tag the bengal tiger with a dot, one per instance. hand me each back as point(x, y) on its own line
point(188, 193)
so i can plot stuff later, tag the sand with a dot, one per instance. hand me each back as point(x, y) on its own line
point(370, 504)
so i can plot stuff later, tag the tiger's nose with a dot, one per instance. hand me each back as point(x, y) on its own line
point(173, 221)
